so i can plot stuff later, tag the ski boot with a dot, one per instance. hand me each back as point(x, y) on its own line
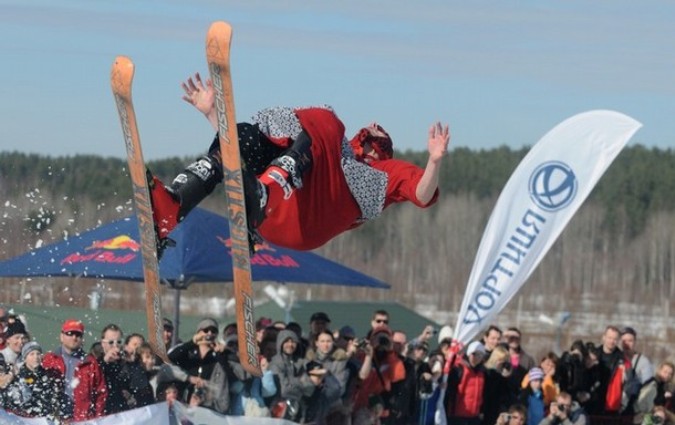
point(165, 208)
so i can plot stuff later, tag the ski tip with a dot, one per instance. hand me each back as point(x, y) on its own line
point(121, 75)
point(218, 40)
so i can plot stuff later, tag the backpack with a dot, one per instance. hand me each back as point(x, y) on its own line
point(631, 383)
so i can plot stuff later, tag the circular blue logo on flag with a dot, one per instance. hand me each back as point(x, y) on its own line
point(553, 185)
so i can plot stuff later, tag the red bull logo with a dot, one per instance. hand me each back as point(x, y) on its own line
point(265, 255)
point(107, 251)
point(118, 242)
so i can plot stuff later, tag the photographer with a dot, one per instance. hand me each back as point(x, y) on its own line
point(515, 416)
point(209, 371)
point(565, 412)
point(381, 373)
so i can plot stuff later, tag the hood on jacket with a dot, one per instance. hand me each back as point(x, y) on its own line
point(284, 336)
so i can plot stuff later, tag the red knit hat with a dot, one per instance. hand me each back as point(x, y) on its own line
point(377, 137)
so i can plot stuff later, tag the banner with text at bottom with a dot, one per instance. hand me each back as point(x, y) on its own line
point(539, 199)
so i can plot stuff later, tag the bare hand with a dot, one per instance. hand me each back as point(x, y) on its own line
point(439, 138)
point(199, 95)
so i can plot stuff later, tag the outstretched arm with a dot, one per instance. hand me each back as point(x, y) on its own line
point(439, 138)
point(202, 97)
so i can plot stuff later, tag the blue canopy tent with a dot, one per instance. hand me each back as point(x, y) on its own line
point(201, 254)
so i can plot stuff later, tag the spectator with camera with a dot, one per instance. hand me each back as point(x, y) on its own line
point(497, 395)
point(102, 385)
point(516, 415)
point(658, 416)
point(315, 405)
point(334, 360)
point(564, 411)
point(288, 367)
point(381, 373)
point(209, 371)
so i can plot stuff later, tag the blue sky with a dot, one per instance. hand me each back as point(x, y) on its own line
point(500, 72)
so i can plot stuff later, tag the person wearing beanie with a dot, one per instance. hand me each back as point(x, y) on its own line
point(35, 391)
point(532, 397)
point(66, 358)
point(15, 337)
point(305, 182)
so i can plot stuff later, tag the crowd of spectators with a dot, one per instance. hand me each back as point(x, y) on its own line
point(333, 376)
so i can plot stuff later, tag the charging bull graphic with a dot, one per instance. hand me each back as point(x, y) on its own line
point(118, 250)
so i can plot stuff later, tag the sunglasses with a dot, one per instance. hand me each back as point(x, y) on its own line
point(385, 321)
point(113, 341)
point(73, 333)
point(210, 329)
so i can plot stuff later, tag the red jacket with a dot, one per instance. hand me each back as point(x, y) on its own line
point(468, 399)
point(90, 392)
point(325, 207)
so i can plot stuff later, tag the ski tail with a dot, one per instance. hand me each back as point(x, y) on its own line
point(121, 78)
point(218, 41)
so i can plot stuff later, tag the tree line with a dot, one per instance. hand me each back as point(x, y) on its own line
point(619, 247)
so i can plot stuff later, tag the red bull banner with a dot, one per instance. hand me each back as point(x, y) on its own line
point(118, 250)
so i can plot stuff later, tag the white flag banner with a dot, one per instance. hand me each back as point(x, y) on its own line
point(200, 415)
point(538, 201)
point(154, 414)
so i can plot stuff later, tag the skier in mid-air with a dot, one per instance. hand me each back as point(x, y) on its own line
point(304, 181)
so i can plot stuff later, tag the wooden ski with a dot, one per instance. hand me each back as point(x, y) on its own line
point(218, 41)
point(121, 78)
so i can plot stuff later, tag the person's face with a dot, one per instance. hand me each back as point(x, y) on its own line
point(492, 339)
point(610, 340)
point(324, 343)
point(33, 359)
point(547, 366)
point(16, 341)
point(167, 335)
point(512, 339)
point(400, 343)
point(111, 341)
point(289, 346)
point(535, 385)
point(132, 345)
point(171, 394)
point(666, 373)
point(419, 353)
point(476, 358)
point(517, 419)
point(627, 343)
point(71, 340)
point(148, 360)
point(379, 320)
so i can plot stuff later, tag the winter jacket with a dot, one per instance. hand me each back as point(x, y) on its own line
point(577, 416)
point(90, 393)
point(35, 393)
point(464, 397)
point(289, 369)
point(213, 367)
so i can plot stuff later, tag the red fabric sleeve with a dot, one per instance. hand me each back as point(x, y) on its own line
point(403, 178)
